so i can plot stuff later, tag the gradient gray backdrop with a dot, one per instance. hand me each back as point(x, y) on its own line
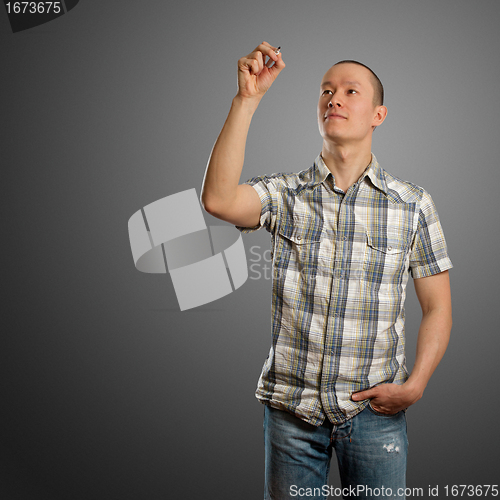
point(108, 390)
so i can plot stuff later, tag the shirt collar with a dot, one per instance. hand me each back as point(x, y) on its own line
point(374, 172)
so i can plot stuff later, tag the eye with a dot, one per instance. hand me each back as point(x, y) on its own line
point(352, 91)
point(327, 92)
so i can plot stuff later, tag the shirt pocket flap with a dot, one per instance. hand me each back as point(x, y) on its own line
point(389, 245)
point(300, 234)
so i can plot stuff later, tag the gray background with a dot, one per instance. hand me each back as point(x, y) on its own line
point(108, 391)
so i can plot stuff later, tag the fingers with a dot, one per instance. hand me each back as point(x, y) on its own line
point(277, 67)
point(360, 396)
point(268, 50)
point(374, 407)
point(271, 61)
point(256, 60)
point(253, 63)
point(275, 60)
point(255, 76)
point(383, 409)
point(385, 398)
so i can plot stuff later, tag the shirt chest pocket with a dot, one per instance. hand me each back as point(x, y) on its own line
point(386, 259)
point(297, 246)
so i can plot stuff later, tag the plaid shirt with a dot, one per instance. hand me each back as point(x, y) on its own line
point(340, 267)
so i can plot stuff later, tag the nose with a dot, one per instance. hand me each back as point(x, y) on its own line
point(331, 105)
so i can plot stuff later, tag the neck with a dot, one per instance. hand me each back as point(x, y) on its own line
point(347, 164)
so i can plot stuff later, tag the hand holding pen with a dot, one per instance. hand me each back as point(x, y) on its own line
point(256, 74)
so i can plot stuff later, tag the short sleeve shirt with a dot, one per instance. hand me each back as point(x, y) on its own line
point(341, 262)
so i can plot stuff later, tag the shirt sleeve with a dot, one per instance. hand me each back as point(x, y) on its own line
point(267, 188)
point(429, 253)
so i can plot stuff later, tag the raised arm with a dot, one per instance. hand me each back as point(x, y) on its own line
point(222, 196)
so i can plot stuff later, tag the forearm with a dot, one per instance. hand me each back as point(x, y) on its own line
point(434, 295)
point(432, 341)
point(226, 160)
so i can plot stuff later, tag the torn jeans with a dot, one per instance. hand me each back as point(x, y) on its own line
point(371, 450)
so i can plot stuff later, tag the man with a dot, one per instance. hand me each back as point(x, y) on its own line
point(345, 236)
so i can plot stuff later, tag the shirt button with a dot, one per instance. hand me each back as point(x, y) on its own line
point(345, 238)
point(299, 237)
point(389, 248)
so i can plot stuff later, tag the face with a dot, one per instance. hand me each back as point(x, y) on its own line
point(346, 111)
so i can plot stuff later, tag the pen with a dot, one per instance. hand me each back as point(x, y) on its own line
point(269, 63)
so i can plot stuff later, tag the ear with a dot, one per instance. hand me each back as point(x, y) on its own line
point(379, 116)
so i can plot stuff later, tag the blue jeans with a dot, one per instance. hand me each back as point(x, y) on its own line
point(371, 451)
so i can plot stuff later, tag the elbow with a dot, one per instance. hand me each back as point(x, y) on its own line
point(208, 204)
point(203, 201)
point(217, 204)
point(211, 206)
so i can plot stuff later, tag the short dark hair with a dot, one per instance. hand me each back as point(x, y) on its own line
point(378, 88)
